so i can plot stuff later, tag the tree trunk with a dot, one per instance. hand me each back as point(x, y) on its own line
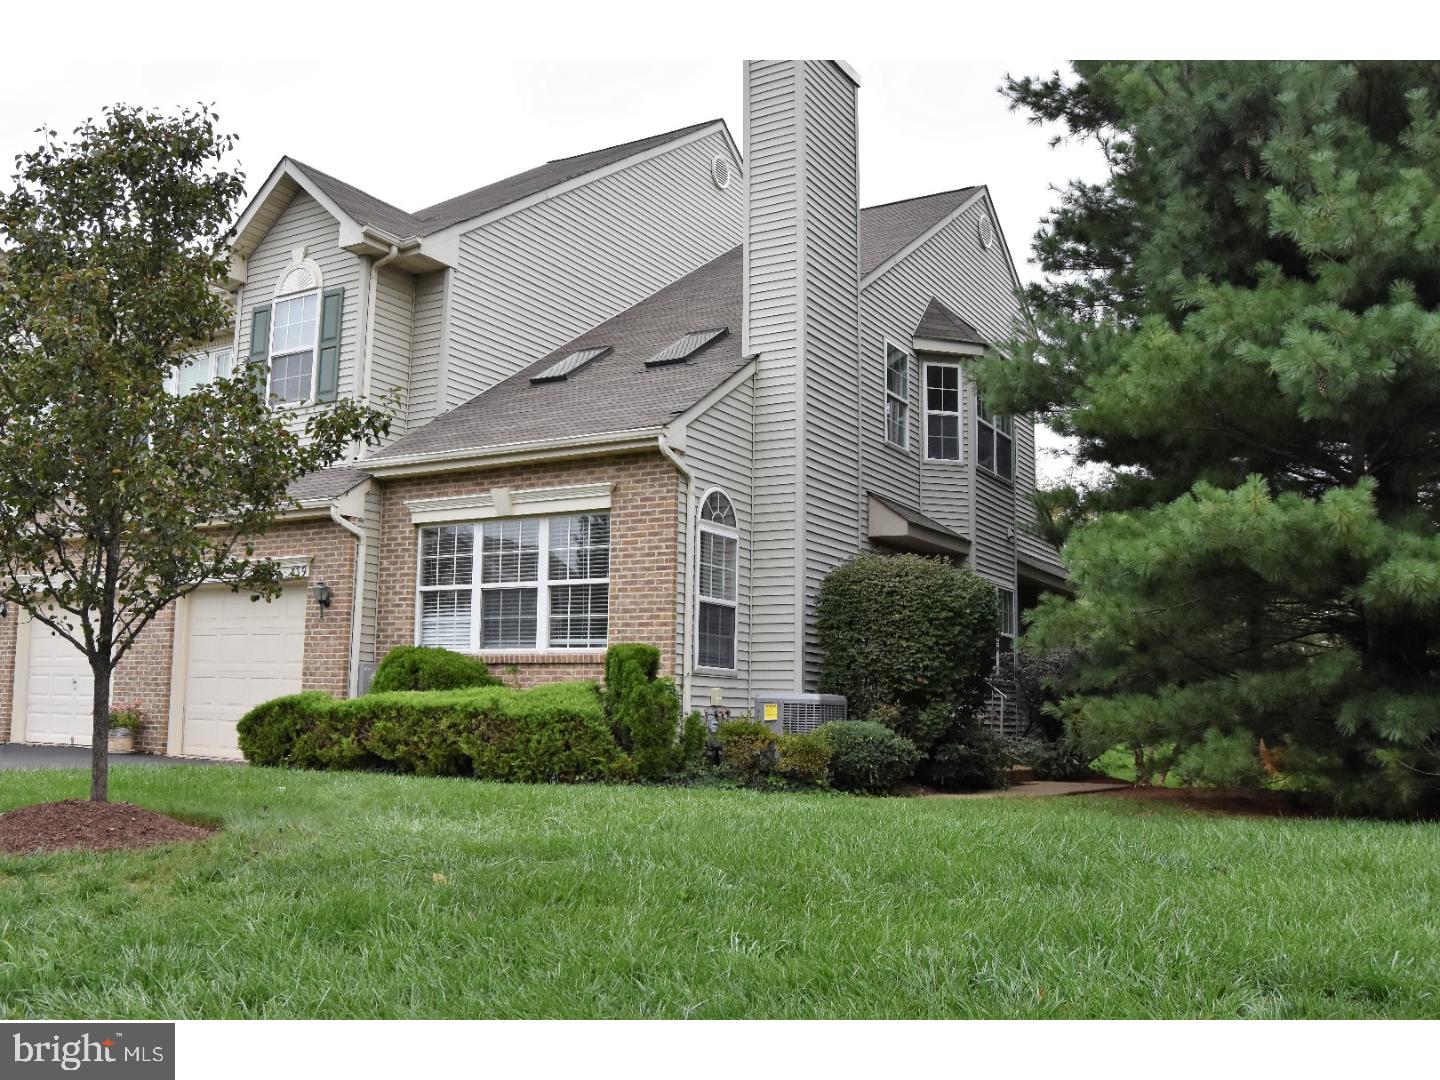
point(100, 738)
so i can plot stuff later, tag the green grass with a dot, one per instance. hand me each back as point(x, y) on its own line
point(318, 900)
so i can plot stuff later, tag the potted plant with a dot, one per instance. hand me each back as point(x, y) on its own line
point(124, 725)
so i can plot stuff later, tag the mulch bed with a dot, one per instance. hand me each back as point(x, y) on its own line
point(1217, 800)
point(76, 824)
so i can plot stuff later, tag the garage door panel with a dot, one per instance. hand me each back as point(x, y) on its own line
point(240, 654)
point(59, 692)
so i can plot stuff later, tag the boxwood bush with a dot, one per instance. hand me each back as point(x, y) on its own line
point(866, 756)
point(421, 667)
point(642, 709)
point(908, 640)
point(553, 733)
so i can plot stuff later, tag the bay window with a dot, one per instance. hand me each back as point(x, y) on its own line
point(942, 412)
point(196, 371)
point(541, 583)
point(897, 396)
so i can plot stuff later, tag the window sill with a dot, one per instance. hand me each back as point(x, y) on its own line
point(541, 656)
point(716, 672)
point(901, 451)
point(953, 462)
point(995, 476)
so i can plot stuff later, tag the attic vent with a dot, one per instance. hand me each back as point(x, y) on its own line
point(720, 171)
point(987, 233)
point(572, 363)
point(686, 347)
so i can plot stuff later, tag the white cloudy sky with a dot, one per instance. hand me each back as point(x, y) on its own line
point(415, 137)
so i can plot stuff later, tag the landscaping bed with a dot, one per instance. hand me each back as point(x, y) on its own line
point(89, 826)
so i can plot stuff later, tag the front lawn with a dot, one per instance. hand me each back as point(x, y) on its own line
point(349, 895)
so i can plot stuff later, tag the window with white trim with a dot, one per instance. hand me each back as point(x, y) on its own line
point(294, 323)
point(942, 412)
point(196, 371)
point(540, 583)
point(1006, 642)
point(897, 396)
point(718, 573)
point(994, 441)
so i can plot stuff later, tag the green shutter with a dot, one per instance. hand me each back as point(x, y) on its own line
point(260, 351)
point(327, 379)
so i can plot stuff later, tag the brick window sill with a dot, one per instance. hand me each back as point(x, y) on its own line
point(548, 656)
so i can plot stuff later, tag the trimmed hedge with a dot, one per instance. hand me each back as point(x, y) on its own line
point(804, 759)
point(554, 733)
point(866, 756)
point(908, 640)
point(643, 710)
point(747, 748)
point(422, 667)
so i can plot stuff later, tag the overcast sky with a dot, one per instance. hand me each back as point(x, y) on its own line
point(925, 125)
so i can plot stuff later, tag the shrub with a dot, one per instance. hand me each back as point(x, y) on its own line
point(1054, 759)
point(421, 667)
point(690, 752)
point(904, 631)
point(643, 711)
point(866, 756)
point(804, 759)
point(974, 759)
point(747, 748)
point(551, 733)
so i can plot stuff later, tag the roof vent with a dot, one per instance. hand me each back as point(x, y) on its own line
point(572, 363)
point(987, 233)
point(686, 347)
point(720, 171)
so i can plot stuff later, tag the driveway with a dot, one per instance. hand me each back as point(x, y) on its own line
point(20, 756)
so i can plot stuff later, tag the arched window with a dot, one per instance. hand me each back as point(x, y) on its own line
point(294, 324)
point(718, 571)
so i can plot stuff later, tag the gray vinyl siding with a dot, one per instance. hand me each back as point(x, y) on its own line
point(427, 348)
point(305, 223)
point(530, 281)
point(831, 335)
point(718, 454)
point(772, 278)
point(394, 332)
point(978, 286)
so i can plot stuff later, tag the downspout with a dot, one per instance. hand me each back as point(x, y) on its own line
point(356, 598)
point(368, 352)
point(682, 664)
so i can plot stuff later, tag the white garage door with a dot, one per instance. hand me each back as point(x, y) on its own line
point(59, 694)
point(241, 652)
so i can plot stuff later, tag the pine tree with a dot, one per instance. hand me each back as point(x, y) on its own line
point(1243, 324)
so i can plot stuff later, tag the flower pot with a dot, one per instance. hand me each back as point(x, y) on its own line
point(122, 741)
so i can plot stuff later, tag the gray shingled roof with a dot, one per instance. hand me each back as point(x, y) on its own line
point(326, 484)
point(368, 210)
point(887, 229)
point(915, 517)
point(615, 392)
point(942, 324)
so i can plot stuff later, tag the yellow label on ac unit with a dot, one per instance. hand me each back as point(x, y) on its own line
point(772, 712)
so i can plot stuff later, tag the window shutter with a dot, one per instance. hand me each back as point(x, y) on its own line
point(260, 350)
point(327, 379)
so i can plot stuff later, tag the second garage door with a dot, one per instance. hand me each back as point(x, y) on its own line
point(241, 652)
point(60, 690)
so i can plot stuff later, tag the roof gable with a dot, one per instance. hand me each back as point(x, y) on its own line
point(890, 228)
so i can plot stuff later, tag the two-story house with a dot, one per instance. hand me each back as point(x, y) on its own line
point(649, 393)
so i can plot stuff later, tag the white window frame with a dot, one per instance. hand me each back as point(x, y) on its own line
point(543, 583)
point(992, 426)
point(728, 532)
point(211, 357)
point(1009, 627)
point(890, 396)
point(958, 413)
point(271, 354)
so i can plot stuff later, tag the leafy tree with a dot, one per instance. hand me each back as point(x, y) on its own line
point(117, 497)
point(1242, 324)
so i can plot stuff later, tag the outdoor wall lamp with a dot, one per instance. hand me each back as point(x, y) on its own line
point(323, 596)
point(4, 608)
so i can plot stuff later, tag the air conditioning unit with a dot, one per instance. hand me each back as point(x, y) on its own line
point(795, 714)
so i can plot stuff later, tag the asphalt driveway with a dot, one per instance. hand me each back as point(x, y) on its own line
point(20, 756)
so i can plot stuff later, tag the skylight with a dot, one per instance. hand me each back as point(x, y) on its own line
point(686, 347)
point(572, 363)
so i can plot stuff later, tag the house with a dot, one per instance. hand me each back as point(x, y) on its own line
point(652, 392)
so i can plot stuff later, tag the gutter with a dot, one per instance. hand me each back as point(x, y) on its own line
point(506, 453)
point(682, 662)
point(356, 593)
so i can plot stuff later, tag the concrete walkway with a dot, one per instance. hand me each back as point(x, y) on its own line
point(1034, 789)
point(22, 756)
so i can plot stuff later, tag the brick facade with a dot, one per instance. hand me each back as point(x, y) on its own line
point(144, 674)
point(643, 557)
